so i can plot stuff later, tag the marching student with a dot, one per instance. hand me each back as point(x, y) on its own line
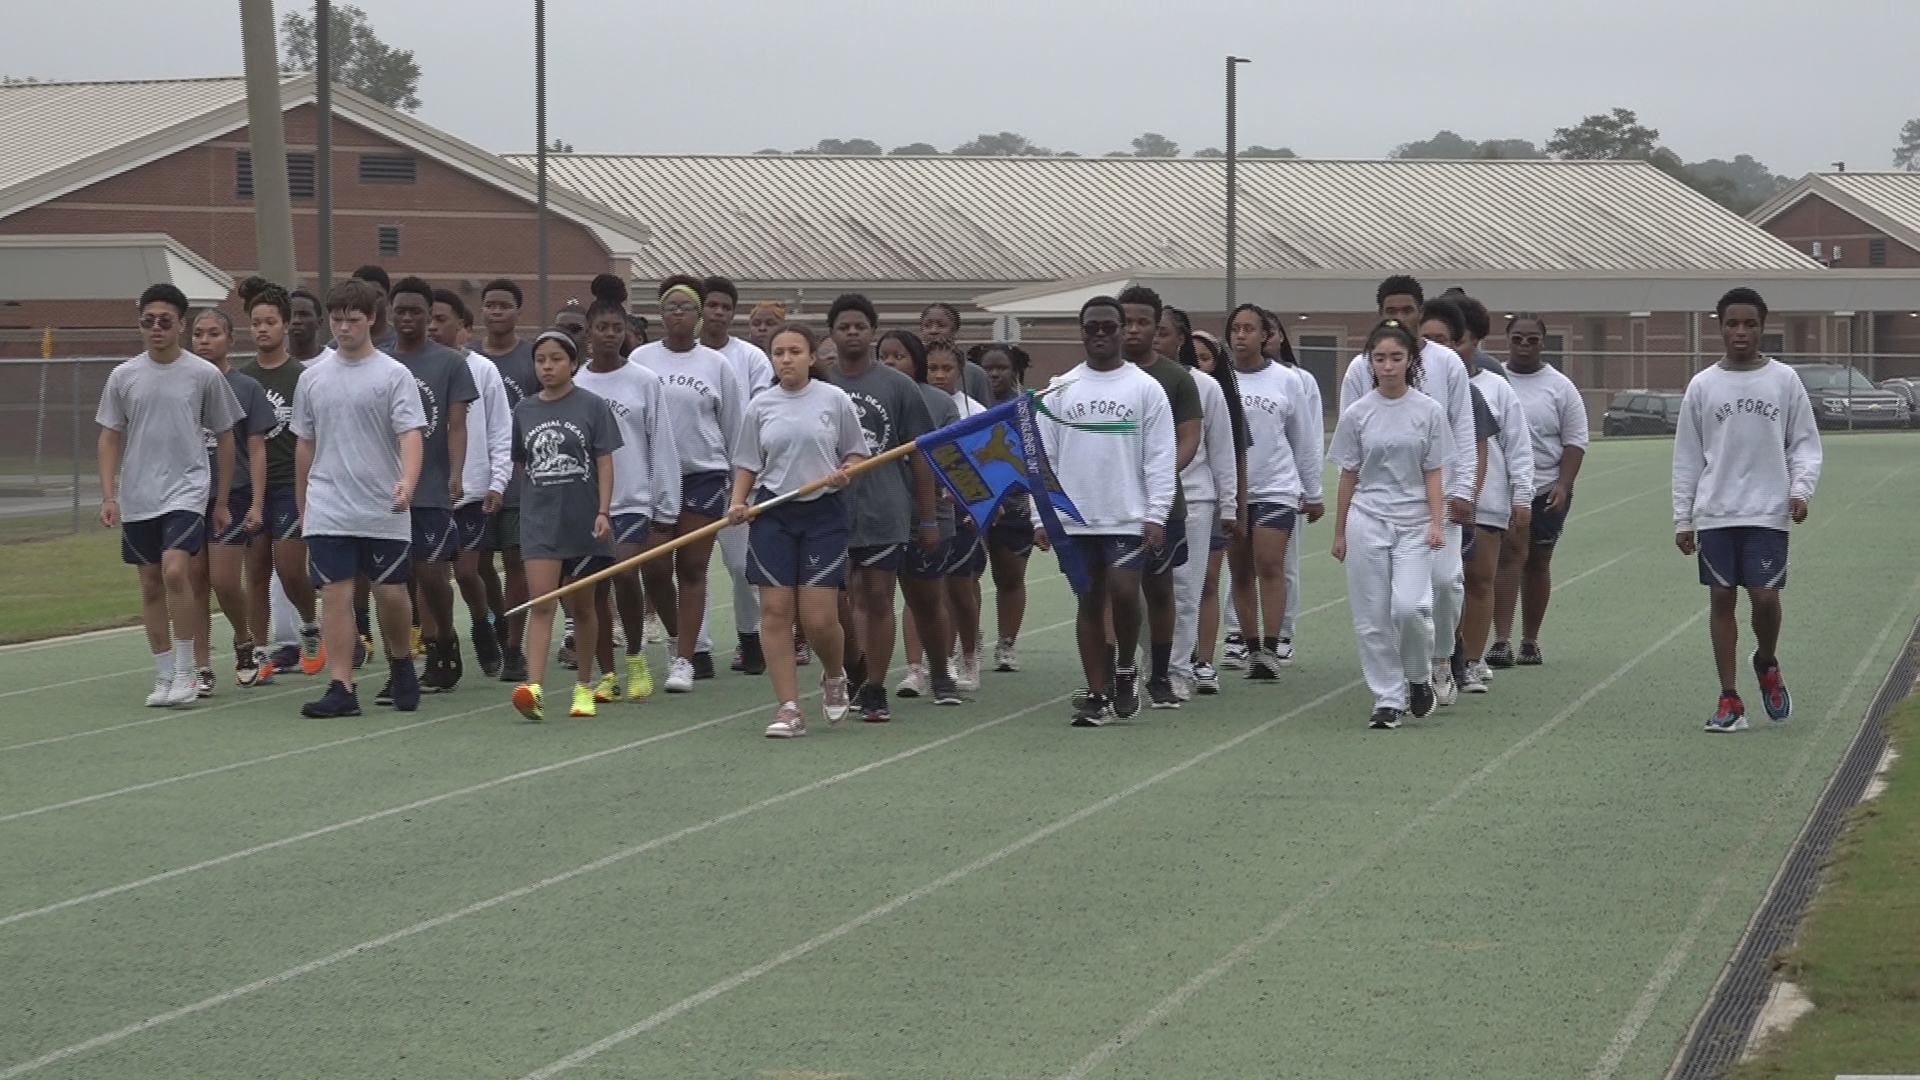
point(500, 303)
point(446, 391)
point(157, 484)
point(488, 472)
point(1280, 351)
point(767, 318)
point(1557, 417)
point(802, 430)
point(1504, 512)
point(923, 569)
point(891, 507)
point(1443, 323)
point(218, 569)
point(280, 553)
point(1010, 532)
point(646, 484)
point(357, 414)
point(755, 373)
point(1443, 377)
point(564, 439)
point(940, 321)
point(968, 558)
point(1391, 446)
point(303, 347)
point(704, 396)
point(1745, 463)
point(1215, 506)
point(1281, 454)
point(1122, 482)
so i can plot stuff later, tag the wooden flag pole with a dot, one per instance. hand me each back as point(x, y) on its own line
point(705, 531)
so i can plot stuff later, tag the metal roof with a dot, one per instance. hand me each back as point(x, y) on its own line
point(1020, 220)
point(109, 266)
point(1887, 200)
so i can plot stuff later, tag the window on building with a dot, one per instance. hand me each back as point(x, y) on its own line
point(300, 175)
point(1773, 344)
point(1553, 349)
point(1877, 251)
point(386, 169)
point(387, 240)
point(1320, 354)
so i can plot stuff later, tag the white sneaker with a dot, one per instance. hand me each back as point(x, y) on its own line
point(966, 674)
point(1233, 656)
point(162, 695)
point(914, 684)
point(788, 723)
point(1205, 679)
point(1444, 691)
point(1480, 667)
point(1284, 654)
point(679, 676)
point(1476, 680)
point(1004, 658)
point(655, 632)
point(185, 687)
point(1182, 686)
point(833, 698)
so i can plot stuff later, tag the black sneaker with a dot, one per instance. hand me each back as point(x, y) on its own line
point(1457, 663)
point(946, 691)
point(513, 668)
point(486, 651)
point(1500, 655)
point(450, 666)
point(1160, 694)
point(873, 704)
point(753, 661)
point(1420, 699)
point(385, 696)
point(286, 659)
point(1080, 698)
point(339, 700)
point(1530, 654)
point(1384, 719)
point(1096, 711)
point(430, 674)
point(1126, 694)
point(405, 684)
point(1262, 666)
point(703, 665)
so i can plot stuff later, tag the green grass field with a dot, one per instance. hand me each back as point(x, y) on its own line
point(1542, 882)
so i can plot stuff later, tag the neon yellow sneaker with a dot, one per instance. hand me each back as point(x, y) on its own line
point(607, 689)
point(529, 700)
point(419, 644)
point(639, 678)
point(582, 701)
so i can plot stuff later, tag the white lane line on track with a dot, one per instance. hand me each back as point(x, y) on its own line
point(507, 897)
point(1676, 957)
point(164, 715)
point(76, 682)
point(1172, 1002)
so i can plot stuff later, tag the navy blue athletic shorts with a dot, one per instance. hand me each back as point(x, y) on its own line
point(1113, 552)
point(470, 526)
point(1265, 515)
point(435, 537)
point(239, 501)
point(333, 559)
point(283, 512)
point(142, 542)
point(799, 543)
point(1743, 555)
point(1547, 524)
point(631, 529)
point(1012, 532)
point(877, 557)
point(967, 556)
point(706, 493)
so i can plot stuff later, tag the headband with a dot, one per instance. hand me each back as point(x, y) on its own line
point(688, 289)
point(565, 341)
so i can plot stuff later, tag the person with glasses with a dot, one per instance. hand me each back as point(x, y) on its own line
point(750, 363)
point(1557, 417)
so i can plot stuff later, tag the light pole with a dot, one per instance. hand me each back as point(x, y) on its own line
point(323, 137)
point(540, 154)
point(1233, 155)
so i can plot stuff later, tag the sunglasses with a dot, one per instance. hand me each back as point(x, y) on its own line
point(1100, 329)
point(156, 322)
point(1524, 339)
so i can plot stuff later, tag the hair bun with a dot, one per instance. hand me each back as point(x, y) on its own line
point(609, 288)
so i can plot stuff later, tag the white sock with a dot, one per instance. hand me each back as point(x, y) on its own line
point(182, 655)
point(163, 664)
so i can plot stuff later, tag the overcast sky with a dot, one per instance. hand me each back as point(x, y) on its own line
point(1797, 83)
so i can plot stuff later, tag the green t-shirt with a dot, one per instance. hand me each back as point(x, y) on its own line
point(279, 383)
point(1184, 397)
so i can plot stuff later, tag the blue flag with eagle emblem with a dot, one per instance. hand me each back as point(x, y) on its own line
point(990, 455)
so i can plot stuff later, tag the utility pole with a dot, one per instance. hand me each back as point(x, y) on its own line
point(1233, 154)
point(272, 209)
point(323, 135)
point(540, 154)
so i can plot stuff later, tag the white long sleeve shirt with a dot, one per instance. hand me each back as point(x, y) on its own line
point(704, 396)
point(750, 364)
point(1747, 444)
point(646, 465)
point(1117, 480)
point(1509, 481)
point(1213, 475)
point(1557, 415)
point(1283, 451)
point(1444, 379)
point(1316, 417)
point(489, 461)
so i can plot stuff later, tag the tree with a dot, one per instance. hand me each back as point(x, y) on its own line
point(1254, 151)
point(1905, 156)
point(1615, 136)
point(1751, 182)
point(360, 60)
point(1509, 150)
point(9, 80)
point(844, 148)
point(1444, 144)
point(558, 147)
point(1005, 144)
point(918, 149)
point(1155, 145)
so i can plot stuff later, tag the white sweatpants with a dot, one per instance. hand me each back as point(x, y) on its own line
point(746, 598)
point(1293, 578)
point(1449, 590)
point(1188, 583)
point(285, 620)
point(1390, 588)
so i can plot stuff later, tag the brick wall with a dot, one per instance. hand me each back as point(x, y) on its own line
point(1815, 219)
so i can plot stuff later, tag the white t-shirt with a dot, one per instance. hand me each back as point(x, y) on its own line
point(1444, 379)
point(1747, 444)
point(354, 411)
point(1557, 416)
point(489, 461)
point(162, 410)
point(646, 466)
point(1281, 448)
point(1391, 443)
point(705, 396)
point(1509, 481)
point(1117, 480)
point(1213, 475)
point(750, 364)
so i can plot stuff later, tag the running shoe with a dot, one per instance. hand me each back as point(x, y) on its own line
point(1384, 719)
point(1500, 655)
point(263, 661)
point(339, 700)
point(788, 723)
point(583, 703)
point(451, 666)
point(313, 656)
point(567, 658)
point(1445, 690)
point(833, 698)
point(431, 674)
point(1530, 654)
point(1004, 656)
point(530, 701)
point(1283, 652)
point(1205, 679)
point(873, 704)
point(639, 678)
point(680, 675)
point(1182, 687)
point(945, 690)
point(1472, 683)
point(1457, 664)
point(1729, 715)
point(419, 643)
point(753, 660)
point(1480, 670)
point(203, 682)
point(1160, 694)
point(739, 660)
point(1126, 694)
point(1094, 711)
point(385, 696)
point(246, 666)
point(914, 683)
point(162, 695)
point(1234, 657)
point(967, 674)
point(802, 654)
point(406, 685)
point(1420, 700)
point(486, 650)
point(703, 665)
point(607, 689)
point(1262, 666)
point(361, 650)
point(656, 631)
point(1773, 690)
point(185, 687)
point(286, 658)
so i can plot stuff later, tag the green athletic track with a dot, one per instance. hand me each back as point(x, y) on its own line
point(1541, 882)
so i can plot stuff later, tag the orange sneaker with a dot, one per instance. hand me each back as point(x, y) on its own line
point(313, 656)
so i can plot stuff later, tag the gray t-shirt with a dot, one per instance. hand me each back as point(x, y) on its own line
point(161, 409)
point(257, 418)
point(442, 377)
point(790, 438)
point(943, 411)
point(517, 377)
point(354, 411)
point(1391, 443)
point(559, 443)
point(892, 411)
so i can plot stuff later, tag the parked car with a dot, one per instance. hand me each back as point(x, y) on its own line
point(1843, 398)
point(1909, 389)
point(1642, 412)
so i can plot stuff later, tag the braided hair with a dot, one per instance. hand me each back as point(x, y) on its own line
point(1394, 330)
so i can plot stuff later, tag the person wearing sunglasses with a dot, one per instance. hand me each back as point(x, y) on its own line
point(157, 480)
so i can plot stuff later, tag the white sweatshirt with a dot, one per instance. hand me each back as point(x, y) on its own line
point(1316, 416)
point(1509, 480)
point(705, 398)
point(1283, 451)
point(750, 364)
point(1444, 379)
point(489, 461)
point(1117, 480)
point(1747, 444)
point(1213, 475)
point(646, 466)
point(1558, 416)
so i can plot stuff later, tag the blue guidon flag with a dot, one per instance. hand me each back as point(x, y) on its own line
point(988, 456)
